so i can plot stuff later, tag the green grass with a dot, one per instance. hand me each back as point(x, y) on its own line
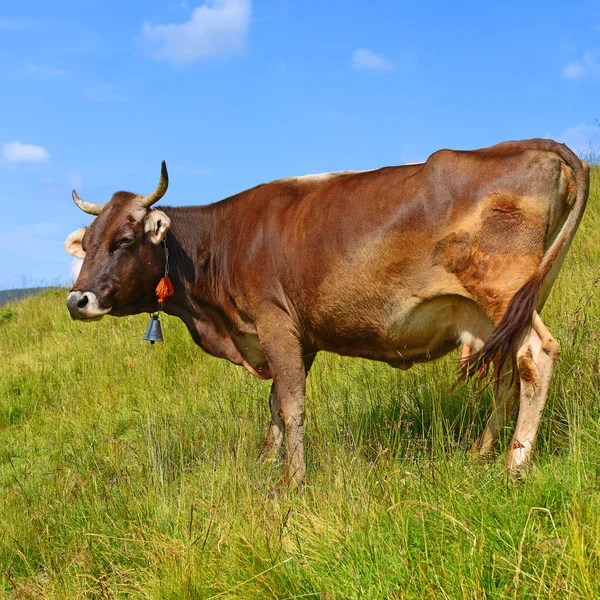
point(130, 471)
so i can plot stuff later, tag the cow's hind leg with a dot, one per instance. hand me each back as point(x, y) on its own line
point(501, 409)
point(536, 359)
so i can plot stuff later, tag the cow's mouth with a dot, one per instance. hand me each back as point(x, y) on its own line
point(86, 318)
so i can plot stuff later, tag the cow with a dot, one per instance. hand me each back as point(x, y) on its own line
point(400, 264)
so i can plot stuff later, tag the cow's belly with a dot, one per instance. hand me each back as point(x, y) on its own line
point(407, 331)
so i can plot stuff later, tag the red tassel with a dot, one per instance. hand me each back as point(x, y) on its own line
point(164, 289)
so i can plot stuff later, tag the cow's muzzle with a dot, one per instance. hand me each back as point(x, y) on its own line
point(84, 306)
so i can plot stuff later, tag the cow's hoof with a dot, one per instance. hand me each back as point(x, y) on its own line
point(276, 491)
point(477, 453)
point(270, 454)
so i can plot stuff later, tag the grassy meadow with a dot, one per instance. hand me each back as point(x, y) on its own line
point(131, 471)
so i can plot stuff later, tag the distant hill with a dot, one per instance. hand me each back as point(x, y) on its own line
point(10, 295)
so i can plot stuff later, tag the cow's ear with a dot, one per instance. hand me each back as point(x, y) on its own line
point(156, 226)
point(73, 243)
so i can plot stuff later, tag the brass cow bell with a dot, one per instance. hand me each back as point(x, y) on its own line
point(153, 331)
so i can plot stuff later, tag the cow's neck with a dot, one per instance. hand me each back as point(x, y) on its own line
point(195, 270)
point(200, 276)
point(192, 247)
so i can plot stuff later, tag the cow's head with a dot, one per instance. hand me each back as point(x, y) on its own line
point(123, 258)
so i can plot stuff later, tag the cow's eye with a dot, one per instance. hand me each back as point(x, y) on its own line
point(126, 241)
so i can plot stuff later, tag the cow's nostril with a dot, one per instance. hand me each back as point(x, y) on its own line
point(82, 302)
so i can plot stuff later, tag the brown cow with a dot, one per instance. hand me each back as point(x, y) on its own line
point(401, 265)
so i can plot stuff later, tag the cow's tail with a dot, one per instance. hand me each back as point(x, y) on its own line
point(504, 340)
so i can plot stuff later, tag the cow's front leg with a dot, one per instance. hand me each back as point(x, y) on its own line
point(285, 356)
point(274, 440)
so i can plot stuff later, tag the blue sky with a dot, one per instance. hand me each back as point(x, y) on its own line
point(232, 93)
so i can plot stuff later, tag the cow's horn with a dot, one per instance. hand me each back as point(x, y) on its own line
point(88, 207)
point(161, 188)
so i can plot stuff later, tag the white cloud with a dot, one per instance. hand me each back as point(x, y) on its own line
point(75, 268)
point(588, 66)
point(106, 93)
point(366, 60)
point(574, 70)
point(19, 152)
point(218, 27)
point(37, 71)
point(582, 138)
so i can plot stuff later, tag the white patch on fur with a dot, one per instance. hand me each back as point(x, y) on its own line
point(139, 211)
point(73, 243)
point(320, 177)
point(474, 342)
point(92, 309)
point(156, 226)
